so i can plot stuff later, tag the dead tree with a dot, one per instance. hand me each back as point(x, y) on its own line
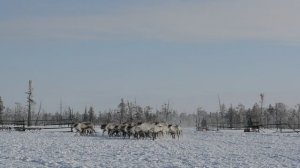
point(200, 119)
point(37, 118)
point(30, 102)
point(298, 116)
point(122, 111)
point(1, 109)
point(166, 111)
point(222, 111)
point(261, 107)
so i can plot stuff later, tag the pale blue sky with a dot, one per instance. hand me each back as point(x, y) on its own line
point(187, 52)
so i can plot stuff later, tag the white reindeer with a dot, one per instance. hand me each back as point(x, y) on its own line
point(175, 130)
point(84, 128)
point(109, 128)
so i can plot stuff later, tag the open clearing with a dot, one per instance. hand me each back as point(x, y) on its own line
point(193, 149)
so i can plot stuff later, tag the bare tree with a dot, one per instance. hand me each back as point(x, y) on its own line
point(122, 110)
point(249, 118)
point(30, 102)
point(91, 114)
point(204, 124)
point(139, 113)
point(231, 116)
point(166, 111)
point(1, 110)
point(292, 119)
point(71, 114)
point(271, 117)
point(37, 118)
point(60, 107)
point(298, 116)
point(255, 114)
point(131, 108)
point(280, 109)
point(261, 107)
point(147, 113)
point(222, 112)
point(85, 115)
point(200, 119)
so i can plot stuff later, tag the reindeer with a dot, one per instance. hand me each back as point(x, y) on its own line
point(155, 130)
point(109, 128)
point(125, 129)
point(84, 128)
point(163, 128)
point(175, 130)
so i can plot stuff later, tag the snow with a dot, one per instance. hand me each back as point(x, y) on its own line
point(230, 148)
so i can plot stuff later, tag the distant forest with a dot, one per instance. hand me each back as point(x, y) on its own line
point(272, 116)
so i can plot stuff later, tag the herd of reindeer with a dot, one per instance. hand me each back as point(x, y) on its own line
point(140, 130)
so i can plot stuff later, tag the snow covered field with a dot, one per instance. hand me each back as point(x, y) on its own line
point(194, 149)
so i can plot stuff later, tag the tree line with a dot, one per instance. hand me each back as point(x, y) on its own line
point(125, 111)
point(277, 115)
